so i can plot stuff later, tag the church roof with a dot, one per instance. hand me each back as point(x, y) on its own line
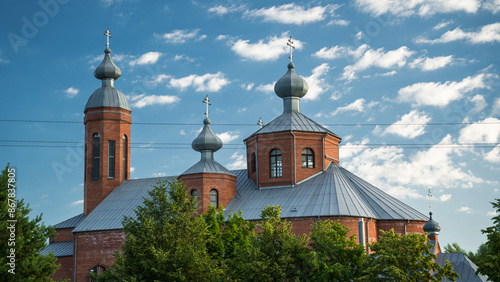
point(107, 97)
point(59, 249)
point(295, 121)
point(333, 192)
point(207, 166)
point(461, 265)
point(71, 222)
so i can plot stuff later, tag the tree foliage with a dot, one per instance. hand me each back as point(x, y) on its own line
point(407, 257)
point(30, 237)
point(474, 257)
point(489, 263)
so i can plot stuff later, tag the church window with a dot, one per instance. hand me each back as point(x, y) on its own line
point(307, 158)
point(111, 159)
point(252, 162)
point(275, 163)
point(97, 270)
point(95, 155)
point(124, 157)
point(214, 198)
point(194, 195)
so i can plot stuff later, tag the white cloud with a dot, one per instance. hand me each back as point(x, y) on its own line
point(179, 36)
point(423, 8)
point(266, 88)
point(339, 22)
point(222, 37)
point(159, 174)
point(491, 213)
point(77, 203)
point(269, 49)
point(148, 58)
point(156, 79)
point(492, 5)
point(317, 82)
point(222, 10)
point(238, 162)
point(465, 210)
point(479, 103)
point(330, 53)
point(486, 131)
point(376, 58)
point(410, 125)
point(428, 64)
point(132, 169)
point(388, 168)
point(228, 136)
point(445, 197)
point(441, 94)
point(487, 34)
point(247, 86)
point(442, 24)
point(359, 105)
point(183, 57)
point(495, 108)
point(210, 82)
point(71, 92)
point(493, 155)
point(143, 100)
point(292, 14)
point(182, 132)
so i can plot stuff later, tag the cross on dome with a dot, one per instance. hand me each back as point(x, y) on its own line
point(430, 196)
point(207, 101)
point(108, 36)
point(260, 122)
point(290, 43)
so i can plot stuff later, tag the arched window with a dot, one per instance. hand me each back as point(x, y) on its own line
point(97, 270)
point(124, 157)
point(194, 195)
point(95, 155)
point(252, 162)
point(275, 163)
point(307, 158)
point(214, 198)
point(111, 159)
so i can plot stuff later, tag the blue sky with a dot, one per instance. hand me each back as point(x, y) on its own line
point(411, 86)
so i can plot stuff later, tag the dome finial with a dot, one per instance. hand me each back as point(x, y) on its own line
point(108, 36)
point(207, 101)
point(207, 143)
point(290, 43)
point(107, 71)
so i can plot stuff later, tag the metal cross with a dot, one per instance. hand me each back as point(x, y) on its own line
point(108, 36)
point(207, 101)
point(430, 195)
point(260, 123)
point(290, 43)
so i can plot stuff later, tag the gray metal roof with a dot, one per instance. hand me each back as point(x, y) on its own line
point(107, 97)
point(461, 265)
point(333, 192)
point(70, 223)
point(207, 140)
point(207, 166)
point(59, 249)
point(291, 84)
point(295, 121)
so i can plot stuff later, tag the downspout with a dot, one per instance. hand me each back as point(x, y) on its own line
point(294, 162)
point(406, 224)
point(257, 160)
point(368, 236)
point(323, 158)
point(75, 252)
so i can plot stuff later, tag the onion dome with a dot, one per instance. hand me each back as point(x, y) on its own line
point(107, 68)
point(207, 140)
point(432, 227)
point(291, 85)
point(107, 95)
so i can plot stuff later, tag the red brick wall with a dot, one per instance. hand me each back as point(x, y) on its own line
point(225, 185)
point(96, 248)
point(65, 271)
point(63, 235)
point(111, 124)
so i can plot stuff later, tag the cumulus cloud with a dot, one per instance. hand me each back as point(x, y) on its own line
point(237, 162)
point(292, 14)
point(335, 52)
point(210, 82)
point(71, 92)
point(441, 94)
point(485, 131)
point(423, 8)
point(222, 10)
point(77, 203)
point(445, 197)
point(492, 5)
point(442, 24)
point(359, 105)
point(410, 125)
point(339, 22)
point(487, 34)
point(228, 136)
point(388, 168)
point(428, 64)
point(479, 103)
point(491, 213)
point(183, 57)
point(156, 79)
point(143, 100)
point(269, 49)
point(266, 88)
point(495, 108)
point(317, 82)
point(179, 36)
point(465, 210)
point(148, 58)
point(247, 86)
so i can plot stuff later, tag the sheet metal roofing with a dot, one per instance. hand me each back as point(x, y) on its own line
point(333, 192)
point(59, 249)
point(70, 223)
point(107, 97)
point(296, 121)
point(461, 265)
point(207, 166)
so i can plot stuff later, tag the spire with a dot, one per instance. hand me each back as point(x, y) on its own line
point(107, 71)
point(291, 87)
point(432, 227)
point(207, 143)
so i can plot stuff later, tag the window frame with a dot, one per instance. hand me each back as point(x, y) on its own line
point(96, 155)
point(275, 163)
point(124, 156)
point(308, 154)
point(216, 195)
point(111, 159)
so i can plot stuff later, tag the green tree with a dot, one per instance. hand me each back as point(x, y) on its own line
point(275, 253)
point(404, 258)
point(166, 240)
point(21, 239)
point(488, 264)
point(474, 257)
point(454, 248)
point(340, 257)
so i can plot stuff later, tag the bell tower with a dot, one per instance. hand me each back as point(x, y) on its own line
point(107, 135)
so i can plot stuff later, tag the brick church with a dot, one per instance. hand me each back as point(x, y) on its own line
point(291, 161)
